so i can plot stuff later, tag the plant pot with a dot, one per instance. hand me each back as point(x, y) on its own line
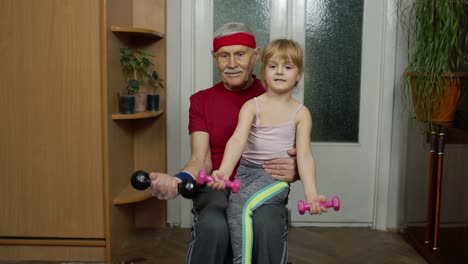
point(152, 103)
point(140, 102)
point(126, 104)
point(444, 106)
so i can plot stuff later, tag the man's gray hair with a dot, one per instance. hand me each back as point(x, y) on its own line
point(232, 28)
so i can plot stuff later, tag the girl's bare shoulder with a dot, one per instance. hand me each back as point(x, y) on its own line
point(304, 114)
point(249, 106)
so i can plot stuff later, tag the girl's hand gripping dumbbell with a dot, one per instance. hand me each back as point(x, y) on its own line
point(334, 203)
point(234, 185)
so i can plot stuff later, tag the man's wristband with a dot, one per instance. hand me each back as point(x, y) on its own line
point(183, 175)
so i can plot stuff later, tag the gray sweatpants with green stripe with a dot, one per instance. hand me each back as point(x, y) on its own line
point(258, 188)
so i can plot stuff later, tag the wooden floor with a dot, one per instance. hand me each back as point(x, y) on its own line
point(323, 245)
point(452, 247)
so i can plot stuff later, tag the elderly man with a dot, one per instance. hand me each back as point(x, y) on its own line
point(213, 118)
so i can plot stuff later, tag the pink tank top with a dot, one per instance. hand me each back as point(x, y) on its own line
point(270, 142)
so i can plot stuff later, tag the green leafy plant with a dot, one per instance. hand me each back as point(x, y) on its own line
point(436, 40)
point(138, 69)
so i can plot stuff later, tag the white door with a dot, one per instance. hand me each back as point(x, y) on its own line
point(354, 168)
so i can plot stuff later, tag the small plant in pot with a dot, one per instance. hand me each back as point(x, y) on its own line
point(138, 70)
point(153, 97)
point(436, 58)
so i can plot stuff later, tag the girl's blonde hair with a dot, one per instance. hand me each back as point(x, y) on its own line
point(286, 49)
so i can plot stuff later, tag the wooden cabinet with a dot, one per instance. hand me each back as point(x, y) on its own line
point(66, 156)
point(436, 198)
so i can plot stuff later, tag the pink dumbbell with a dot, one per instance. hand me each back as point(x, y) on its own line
point(334, 203)
point(203, 178)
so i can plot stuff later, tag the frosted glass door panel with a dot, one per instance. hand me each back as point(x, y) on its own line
point(333, 68)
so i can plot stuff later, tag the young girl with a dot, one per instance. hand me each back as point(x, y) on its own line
point(269, 125)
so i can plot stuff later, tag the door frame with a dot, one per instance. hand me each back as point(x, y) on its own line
point(191, 13)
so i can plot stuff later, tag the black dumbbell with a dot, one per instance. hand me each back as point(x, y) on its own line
point(188, 188)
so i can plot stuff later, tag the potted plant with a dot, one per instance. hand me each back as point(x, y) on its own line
point(436, 42)
point(138, 70)
point(153, 97)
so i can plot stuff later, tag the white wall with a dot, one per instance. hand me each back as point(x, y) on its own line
point(173, 80)
point(399, 135)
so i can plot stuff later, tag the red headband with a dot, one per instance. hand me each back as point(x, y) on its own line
point(234, 39)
